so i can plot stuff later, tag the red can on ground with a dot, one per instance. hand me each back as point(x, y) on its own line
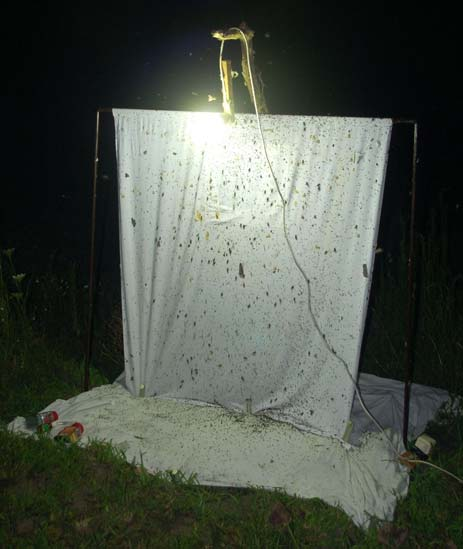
point(71, 433)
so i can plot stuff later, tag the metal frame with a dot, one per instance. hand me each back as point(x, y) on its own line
point(409, 338)
point(91, 291)
point(411, 275)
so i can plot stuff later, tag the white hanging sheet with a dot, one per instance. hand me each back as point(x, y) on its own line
point(214, 308)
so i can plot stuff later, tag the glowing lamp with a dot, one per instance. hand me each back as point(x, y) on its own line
point(207, 127)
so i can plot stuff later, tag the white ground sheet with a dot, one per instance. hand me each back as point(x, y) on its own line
point(384, 399)
point(214, 307)
point(231, 449)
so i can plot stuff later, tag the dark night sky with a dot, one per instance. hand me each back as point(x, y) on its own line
point(64, 60)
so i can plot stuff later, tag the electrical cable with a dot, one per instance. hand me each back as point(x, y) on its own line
point(434, 466)
point(306, 278)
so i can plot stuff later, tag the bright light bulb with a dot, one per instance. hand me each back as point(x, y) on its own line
point(207, 127)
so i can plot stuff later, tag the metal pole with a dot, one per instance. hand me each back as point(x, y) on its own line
point(92, 260)
point(409, 346)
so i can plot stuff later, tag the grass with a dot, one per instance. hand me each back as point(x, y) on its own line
point(56, 496)
point(46, 502)
point(439, 315)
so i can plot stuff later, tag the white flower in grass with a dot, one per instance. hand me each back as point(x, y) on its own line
point(18, 278)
